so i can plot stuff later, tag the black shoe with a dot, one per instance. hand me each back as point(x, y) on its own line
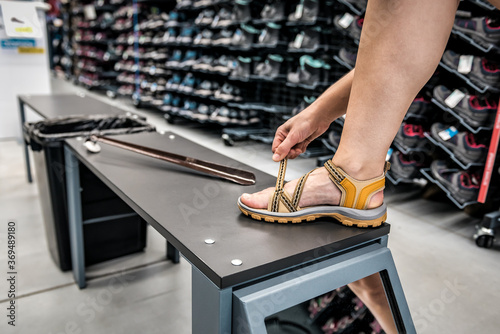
point(305, 12)
point(462, 144)
point(481, 29)
point(269, 37)
point(419, 108)
point(175, 59)
point(308, 39)
point(241, 11)
point(476, 111)
point(483, 70)
point(223, 18)
point(348, 56)
point(404, 167)
point(189, 59)
point(274, 11)
point(463, 186)
point(308, 73)
point(306, 101)
point(244, 36)
point(224, 37)
point(270, 68)
point(243, 68)
point(410, 136)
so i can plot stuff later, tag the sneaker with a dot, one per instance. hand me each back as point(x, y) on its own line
point(404, 167)
point(483, 70)
point(462, 144)
point(204, 111)
point(175, 18)
point(349, 56)
point(352, 25)
point(475, 110)
point(309, 71)
point(306, 101)
point(419, 108)
point(410, 135)
point(189, 59)
point(221, 115)
point(462, 186)
point(203, 63)
point(228, 92)
point(223, 65)
point(204, 37)
point(359, 4)
point(224, 18)
point(274, 11)
point(481, 29)
point(270, 68)
point(308, 39)
point(305, 12)
point(224, 37)
point(175, 60)
point(188, 109)
point(242, 69)
point(188, 83)
point(206, 88)
point(205, 18)
point(269, 36)
point(244, 36)
point(241, 10)
point(186, 35)
point(174, 82)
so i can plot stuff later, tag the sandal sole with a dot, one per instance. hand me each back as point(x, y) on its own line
point(344, 220)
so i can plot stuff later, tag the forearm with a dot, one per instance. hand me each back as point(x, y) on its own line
point(495, 3)
point(333, 102)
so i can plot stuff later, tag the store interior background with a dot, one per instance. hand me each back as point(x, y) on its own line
point(451, 285)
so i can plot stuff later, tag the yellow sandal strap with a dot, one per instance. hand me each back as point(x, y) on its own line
point(279, 196)
point(355, 193)
point(297, 194)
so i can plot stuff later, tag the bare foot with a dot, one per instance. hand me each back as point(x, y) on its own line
point(318, 190)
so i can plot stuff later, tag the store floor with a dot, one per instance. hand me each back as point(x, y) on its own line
point(451, 285)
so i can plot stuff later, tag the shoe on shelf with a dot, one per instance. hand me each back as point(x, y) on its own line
point(304, 103)
point(186, 35)
point(475, 110)
point(349, 56)
point(273, 11)
point(305, 12)
point(175, 59)
point(189, 59)
point(243, 68)
point(228, 92)
point(463, 144)
point(349, 23)
point(308, 39)
point(482, 70)
point(203, 63)
point(223, 18)
point(419, 108)
point(404, 167)
point(484, 30)
point(206, 88)
point(188, 83)
point(269, 36)
point(309, 71)
point(223, 65)
point(204, 111)
point(223, 37)
point(352, 210)
point(462, 185)
point(242, 12)
point(410, 135)
point(359, 4)
point(205, 18)
point(244, 36)
point(270, 68)
point(174, 82)
point(204, 37)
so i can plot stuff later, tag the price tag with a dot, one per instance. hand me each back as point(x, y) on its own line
point(448, 133)
point(346, 20)
point(465, 64)
point(389, 154)
point(299, 11)
point(89, 12)
point(454, 98)
point(298, 40)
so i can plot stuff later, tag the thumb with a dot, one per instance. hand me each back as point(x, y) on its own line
point(284, 148)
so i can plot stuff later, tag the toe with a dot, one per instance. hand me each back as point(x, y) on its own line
point(257, 200)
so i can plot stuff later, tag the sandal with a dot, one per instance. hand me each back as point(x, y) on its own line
point(351, 211)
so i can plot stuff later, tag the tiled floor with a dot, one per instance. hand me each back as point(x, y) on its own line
point(451, 285)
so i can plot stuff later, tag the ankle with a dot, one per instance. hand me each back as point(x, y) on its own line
point(359, 169)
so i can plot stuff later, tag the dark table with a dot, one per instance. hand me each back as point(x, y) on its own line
point(240, 266)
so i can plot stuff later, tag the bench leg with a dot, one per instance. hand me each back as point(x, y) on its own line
point(22, 114)
point(211, 310)
point(75, 217)
point(252, 304)
point(172, 253)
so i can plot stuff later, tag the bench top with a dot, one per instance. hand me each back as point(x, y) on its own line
point(188, 207)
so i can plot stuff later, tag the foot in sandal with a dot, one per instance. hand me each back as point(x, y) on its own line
point(324, 192)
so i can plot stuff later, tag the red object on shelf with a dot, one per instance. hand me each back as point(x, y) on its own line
point(490, 160)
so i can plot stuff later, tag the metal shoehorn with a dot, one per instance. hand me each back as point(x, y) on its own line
point(232, 174)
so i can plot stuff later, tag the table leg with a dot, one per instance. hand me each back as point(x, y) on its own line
point(75, 217)
point(26, 150)
point(211, 309)
point(172, 253)
point(252, 304)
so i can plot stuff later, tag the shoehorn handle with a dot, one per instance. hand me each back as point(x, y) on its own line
point(228, 173)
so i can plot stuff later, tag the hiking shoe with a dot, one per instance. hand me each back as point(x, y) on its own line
point(419, 108)
point(224, 37)
point(462, 144)
point(410, 135)
point(186, 35)
point(174, 82)
point(205, 18)
point(175, 60)
point(228, 92)
point(348, 56)
point(203, 63)
point(309, 71)
point(274, 11)
point(223, 18)
point(475, 110)
point(404, 167)
point(206, 88)
point(188, 83)
point(241, 11)
point(481, 29)
point(223, 65)
point(269, 36)
point(482, 70)
point(244, 36)
point(189, 59)
point(270, 68)
point(463, 186)
point(243, 68)
point(351, 24)
point(308, 39)
point(306, 11)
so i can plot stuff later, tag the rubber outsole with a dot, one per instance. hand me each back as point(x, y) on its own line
point(344, 220)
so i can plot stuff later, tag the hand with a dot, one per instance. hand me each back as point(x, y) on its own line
point(292, 138)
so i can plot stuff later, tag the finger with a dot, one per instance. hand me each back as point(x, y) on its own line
point(284, 148)
point(278, 138)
